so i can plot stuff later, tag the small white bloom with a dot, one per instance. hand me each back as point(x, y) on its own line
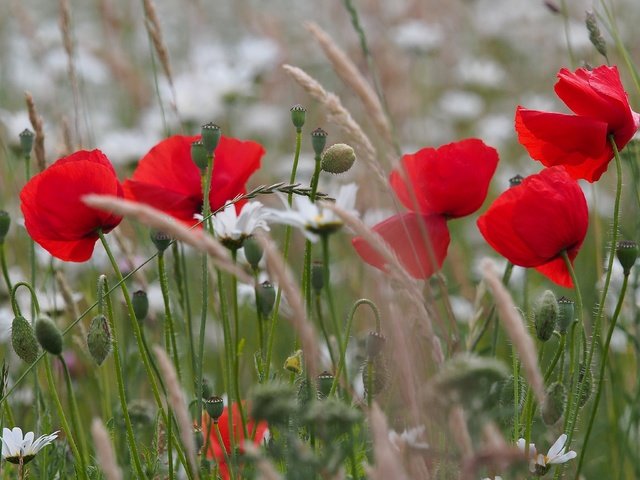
point(497, 477)
point(539, 463)
point(232, 229)
point(17, 448)
point(410, 438)
point(313, 219)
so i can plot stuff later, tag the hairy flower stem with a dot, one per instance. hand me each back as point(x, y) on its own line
point(169, 330)
point(75, 413)
point(238, 348)
point(179, 267)
point(133, 448)
point(285, 255)
point(603, 364)
point(600, 312)
point(81, 471)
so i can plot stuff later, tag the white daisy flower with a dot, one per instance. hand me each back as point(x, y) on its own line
point(540, 464)
point(17, 448)
point(232, 229)
point(315, 220)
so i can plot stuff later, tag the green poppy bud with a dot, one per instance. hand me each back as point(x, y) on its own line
point(545, 314)
point(553, 406)
point(265, 298)
point(24, 340)
point(627, 252)
point(566, 314)
point(5, 221)
point(160, 239)
point(199, 156)
point(26, 142)
point(325, 382)
point(214, 406)
point(318, 140)
point(338, 158)
point(317, 276)
point(375, 344)
point(49, 335)
point(210, 137)
point(99, 339)
point(252, 252)
point(298, 116)
point(140, 303)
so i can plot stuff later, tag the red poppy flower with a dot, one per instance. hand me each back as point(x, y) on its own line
point(580, 142)
point(419, 241)
point(215, 449)
point(168, 180)
point(54, 214)
point(451, 180)
point(531, 224)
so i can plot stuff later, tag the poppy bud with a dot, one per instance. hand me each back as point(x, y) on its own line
point(293, 363)
point(317, 276)
point(199, 156)
point(627, 252)
point(5, 221)
point(49, 335)
point(318, 140)
point(298, 116)
point(160, 239)
point(338, 158)
point(252, 252)
point(214, 406)
point(26, 141)
point(265, 298)
point(325, 382)
point(99, 339)
point(595, 36)
point(210, 137)
point(515, 181)
point(545, 315)
point(375, 344)
point(140, 303)
point(554, 404)
point(24, 340)
point(566, 314)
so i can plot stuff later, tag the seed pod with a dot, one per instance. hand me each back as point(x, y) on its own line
point(325, 382)
point(160, 239)
point(140, 303)
point(265, 298)
point(214, 406)
point(253, 252)
point(318, 140)
point(627, 252)
point(210, 137)
point(26, 141)
point(545, 315)
point(554, 404)
point(24, 340)
point(566, 314)
point(49, 335)
point(375, 344)
point(99, 339)
point(199, 156)
point(298, 116)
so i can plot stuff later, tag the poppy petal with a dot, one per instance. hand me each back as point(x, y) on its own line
point(405, 235)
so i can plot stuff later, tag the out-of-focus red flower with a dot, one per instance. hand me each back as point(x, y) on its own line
point(451, 180)
point(580, 142)
point(168, 180)
point(54, 214)
point(419, 241)
point(215, 450)
point(531, 224)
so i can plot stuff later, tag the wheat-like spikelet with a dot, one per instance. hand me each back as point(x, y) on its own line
point(161, 221)
point(155, 32)
point(104, 451)
point(67, 43)
point(36, 123)
point(515, 328)
point(350, 75)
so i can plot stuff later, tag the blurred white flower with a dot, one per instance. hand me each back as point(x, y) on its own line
point(17, 448)
point(539, 463)
point(417, 36)
point(232, 229)
point(313, 219)
point(497, 477)
point(461, 104)
point(409, 437)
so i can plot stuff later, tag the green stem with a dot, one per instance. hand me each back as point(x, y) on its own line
point(237, 349)
point(170, 334)
point(329, 291)
point(556, 357)
point(82, 469)
point(323, 329)
point(75, 413)
point(603, 364)
point(179, 267)
point(3, 264)
point(228, 352)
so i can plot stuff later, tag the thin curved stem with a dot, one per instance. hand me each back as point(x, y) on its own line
point(170, 334)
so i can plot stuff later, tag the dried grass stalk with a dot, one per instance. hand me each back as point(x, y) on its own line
point(66, 137)
point(104, 451)
point(155, 32)
point(350, 75)
point(387, 464)
point(339, 115)
point(67, 42)
point(36, 123)
point(178, 405)
point(278, 270)
point(515, 328)
point(161, 221)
